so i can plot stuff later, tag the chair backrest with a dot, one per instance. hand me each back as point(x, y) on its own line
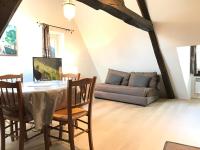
point(70, 76)
point(11, 99)
point(80, 93)
point(12, 77)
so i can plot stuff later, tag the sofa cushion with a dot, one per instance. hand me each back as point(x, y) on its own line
point(143, 101)
point(115, 79)
point(124, 75)
point(141, 81)
point(128, 90)
point(152, 75)
point(154, 81)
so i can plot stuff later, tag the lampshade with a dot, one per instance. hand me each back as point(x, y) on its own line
point(69, 10)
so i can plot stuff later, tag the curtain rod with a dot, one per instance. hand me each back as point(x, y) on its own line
point(70, 30)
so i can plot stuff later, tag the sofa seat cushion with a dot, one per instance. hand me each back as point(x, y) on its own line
point(128, 90)
point(142, 101)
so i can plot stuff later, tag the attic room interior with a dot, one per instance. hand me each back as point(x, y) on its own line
point(125, 73)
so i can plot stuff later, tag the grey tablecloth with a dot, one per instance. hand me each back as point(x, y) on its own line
point(43, 98)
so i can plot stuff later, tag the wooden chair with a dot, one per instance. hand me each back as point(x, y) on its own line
point(12, 108)
point(12, 78)
point(70, 76)
point(73, 77)
point(79, 94)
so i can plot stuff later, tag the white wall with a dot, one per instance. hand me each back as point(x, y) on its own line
point(29, 43)
point(115, 44)
point(184, 60)
point(29, 40)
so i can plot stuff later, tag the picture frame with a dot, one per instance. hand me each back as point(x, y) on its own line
point(8, 42)
point(46, 69)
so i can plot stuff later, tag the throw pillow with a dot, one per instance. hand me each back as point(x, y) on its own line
point(114, 79)
point(141, 81)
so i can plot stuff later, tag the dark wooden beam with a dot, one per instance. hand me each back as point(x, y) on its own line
point(118, 9)
point(7, 10)
point(193, 60)
point(157, 51)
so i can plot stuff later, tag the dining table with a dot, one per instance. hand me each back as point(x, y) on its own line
point(42, 99)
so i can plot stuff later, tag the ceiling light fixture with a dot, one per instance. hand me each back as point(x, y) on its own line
point(69, 9)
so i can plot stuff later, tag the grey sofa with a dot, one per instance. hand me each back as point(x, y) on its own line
point(136, 87)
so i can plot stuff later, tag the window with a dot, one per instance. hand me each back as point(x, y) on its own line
point(55, 44)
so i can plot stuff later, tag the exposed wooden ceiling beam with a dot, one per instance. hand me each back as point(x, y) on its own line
point(157, 51)
point(118, 9)
point(7, 10)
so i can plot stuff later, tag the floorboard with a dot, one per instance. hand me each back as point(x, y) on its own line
point(120, 126)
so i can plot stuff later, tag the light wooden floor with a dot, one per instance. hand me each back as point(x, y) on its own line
point(119, 126)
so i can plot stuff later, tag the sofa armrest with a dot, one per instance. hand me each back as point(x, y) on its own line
point(151, 92)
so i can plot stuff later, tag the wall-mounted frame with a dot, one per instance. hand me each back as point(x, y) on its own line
point(8, 42)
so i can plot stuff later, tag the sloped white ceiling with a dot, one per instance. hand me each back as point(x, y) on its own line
point(115, 44)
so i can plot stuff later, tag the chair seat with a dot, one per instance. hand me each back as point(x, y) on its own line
point(62, 115)
point(14, 115)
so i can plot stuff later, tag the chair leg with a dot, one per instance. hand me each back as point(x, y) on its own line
point(2, 134)
point(71, 134)
point(16, 129)
point(26, 135)
point(46, 136)
point(90, 134)
point(76, 123)
point(22, 135)
point(60, 130)
point(12, 131)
